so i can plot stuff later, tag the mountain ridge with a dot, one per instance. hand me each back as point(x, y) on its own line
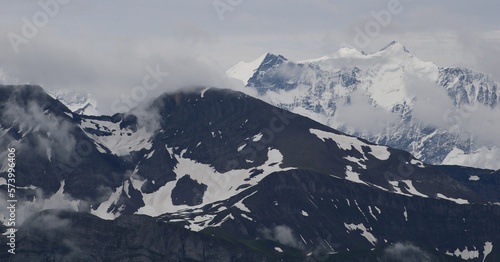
point(399, 89)
point(233, 167)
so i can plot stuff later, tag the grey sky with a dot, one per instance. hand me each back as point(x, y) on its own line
point(105, 46)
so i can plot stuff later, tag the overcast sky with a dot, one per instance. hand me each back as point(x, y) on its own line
point(105, 46)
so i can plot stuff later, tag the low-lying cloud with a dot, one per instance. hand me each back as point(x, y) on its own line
point(362, 116)
point(109, 69)
point(405, 252)
point(430, 100)
point(57, 138)
point(56, 231)
point(283, 235)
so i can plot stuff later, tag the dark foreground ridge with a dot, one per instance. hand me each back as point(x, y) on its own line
point(220, 176)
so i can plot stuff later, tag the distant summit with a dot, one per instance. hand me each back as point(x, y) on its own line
point(394, 45)
point(340, 88)
point(245, 70)
point(79, 102)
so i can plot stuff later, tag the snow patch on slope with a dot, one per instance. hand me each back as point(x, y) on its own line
point(464, 254)
point(102, 210)
point(347, 143)
point(412, 189)
point(488, 247)
point(220, 186)
point(353, 176)
point(456, 200)
point(369, 236)
point(120, 142)
point(242, 206)
point(473, 178)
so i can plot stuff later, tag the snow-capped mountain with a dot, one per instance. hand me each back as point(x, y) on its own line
point(390, 97)
point(79, 102)
point(217, 175)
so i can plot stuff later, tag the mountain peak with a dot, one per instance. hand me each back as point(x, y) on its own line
point(245, 70)
point(78, 101)
point(270, 60)
point(395, 46)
